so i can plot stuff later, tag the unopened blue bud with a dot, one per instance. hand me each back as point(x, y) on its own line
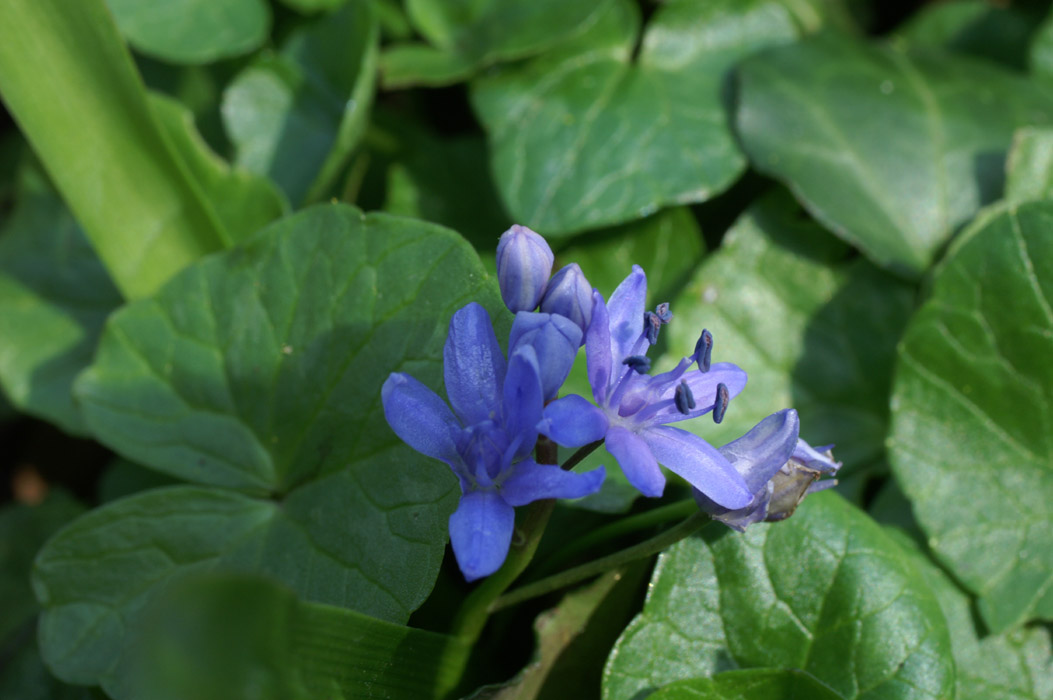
point(640, 364)
point(663, 313)
point(652, 324)
point(569, 295)
point(721, 404)
point(683, 398)
point(704, 351)
point(524, 263)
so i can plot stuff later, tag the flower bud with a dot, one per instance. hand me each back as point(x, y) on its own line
point(555, 340)
point(524, 263)
point(569, 294)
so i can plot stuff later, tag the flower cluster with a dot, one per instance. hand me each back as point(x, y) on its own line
point(500, 406)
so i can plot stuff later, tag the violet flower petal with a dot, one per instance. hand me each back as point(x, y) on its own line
point(626, 312)
point(699, 463)
point(572, 421)
point(762, 452)
point(473, 365)
point(481, 532)
point(636, 460)
point(523, 400)
point(532, 482)
point(598, 349)
point(524, 264)
point(420, 417)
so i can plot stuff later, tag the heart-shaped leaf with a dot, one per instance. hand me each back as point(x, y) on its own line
point(259, 370)
point(827, 592)
point(972, 424)
point(589, 134)
point(892, 151)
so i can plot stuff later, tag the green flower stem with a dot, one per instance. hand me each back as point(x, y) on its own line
point(472, 616)
point(581, 454)
point(619, 559)
point(619, 528)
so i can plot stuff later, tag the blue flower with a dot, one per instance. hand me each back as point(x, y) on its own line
point(524, 263)
point(488, 437)
point(778, 467)
point(569, 294)
point(633, 410)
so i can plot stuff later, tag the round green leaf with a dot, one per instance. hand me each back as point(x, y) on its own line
point(192, 31)
point(972, 428)
point(827, 592)
point(750, 684)
point(589, 135)
point(814, 331)
point(892, 151)
point(1029, 171)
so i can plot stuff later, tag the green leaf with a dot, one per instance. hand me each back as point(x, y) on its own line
point(827, 592)
point(220, 637)
point(1015, 665)
point(70, 83)
point(23, 676)
point(260, 370)
point(750, 684)
point(54, 297)
point(1029, 172)
point(296, 116)
point(589, 135)
point(193, 31)
point(667, 245)
point(123, 478)
point(466, 36)
point(892, 151)
point(23, 530)
point(972, 426)
point(976, 27)
point(1041, 50)
point(244, 202)
point(813, 330)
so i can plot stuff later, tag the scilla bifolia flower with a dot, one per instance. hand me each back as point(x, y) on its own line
point(633, 409)
point(778, 467)
point(524, 263)
point(488, 437)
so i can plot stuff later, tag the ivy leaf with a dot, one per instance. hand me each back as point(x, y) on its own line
point(813, 330)
point(972, 428)
point(296, 116)
point(1029, 171)
point(466, 36)
point(54, 297)
point(193, 31)
point(257, 374)
point(750, 684)
point(589, 134)
point(892, 151)
point(827, 592)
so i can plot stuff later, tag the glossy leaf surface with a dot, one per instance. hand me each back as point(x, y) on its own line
point(972, 433)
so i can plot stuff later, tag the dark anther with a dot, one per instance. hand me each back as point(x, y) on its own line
point(704, 350)
point(683, 398)
point(651, 325)
point(663, 313)
point(640, 364)
point(721, 405)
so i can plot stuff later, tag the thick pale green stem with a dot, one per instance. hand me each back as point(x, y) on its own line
point(618, 559)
